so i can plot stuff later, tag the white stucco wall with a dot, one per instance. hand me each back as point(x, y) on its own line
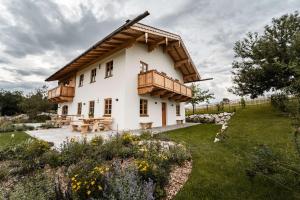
point(160, 61)
point(123, 86)
point(112, 87)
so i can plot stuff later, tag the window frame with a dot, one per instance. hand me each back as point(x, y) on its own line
point(107, 107)
point(109, 69)
point(178, 110)
point(81, 80)
point(79, 113)
point(144, 108)
point(91, 108)
point(142, 65)
point(93, 75)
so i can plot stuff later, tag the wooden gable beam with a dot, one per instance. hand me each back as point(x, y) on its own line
point(114, 50)
point(181, 62)
point(189, 76)
point(157, 43)
point(171, 45)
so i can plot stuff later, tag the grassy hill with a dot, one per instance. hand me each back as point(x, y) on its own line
point(219, 169)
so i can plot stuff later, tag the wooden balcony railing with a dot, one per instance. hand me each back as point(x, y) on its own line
point(61, 94)
point(159, 84)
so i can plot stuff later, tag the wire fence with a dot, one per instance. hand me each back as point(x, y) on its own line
point(230, 106)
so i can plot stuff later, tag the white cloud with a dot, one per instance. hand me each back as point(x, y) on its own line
point(45, 35)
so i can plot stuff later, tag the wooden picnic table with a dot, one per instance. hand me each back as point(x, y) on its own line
point(104, 122)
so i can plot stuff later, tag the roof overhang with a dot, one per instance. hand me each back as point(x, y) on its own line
point(124, 37)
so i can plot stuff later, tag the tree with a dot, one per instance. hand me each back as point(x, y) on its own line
point(270, 61)
point(9, 102)
point(199, 96)
point(225, 100)
point(36, 102)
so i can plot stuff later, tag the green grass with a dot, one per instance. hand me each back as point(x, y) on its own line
point(219, 168)
point(6, 139)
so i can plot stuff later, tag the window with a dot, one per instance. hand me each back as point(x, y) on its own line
point(79, 108)
point(81, 80)
point(91, 108)
point(178, 109)
point(143, 107)
point(93, 75)
point(65, 110)
point(109, 69)
point(143, 66)
point(107, 107)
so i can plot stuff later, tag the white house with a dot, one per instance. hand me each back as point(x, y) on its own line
point(134, 75)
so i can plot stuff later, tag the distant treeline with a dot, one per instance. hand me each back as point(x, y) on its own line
point(16, 102)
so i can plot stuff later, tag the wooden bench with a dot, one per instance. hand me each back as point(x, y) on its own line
point(146, 125)
point(179, 121)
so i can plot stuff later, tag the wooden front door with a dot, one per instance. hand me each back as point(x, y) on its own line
point(164, 114)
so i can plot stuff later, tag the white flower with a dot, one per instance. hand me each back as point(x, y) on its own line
point(12, 135)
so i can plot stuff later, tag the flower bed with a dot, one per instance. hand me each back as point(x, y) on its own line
point(125, 167)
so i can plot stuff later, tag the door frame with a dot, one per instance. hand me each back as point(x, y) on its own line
point(164, 114)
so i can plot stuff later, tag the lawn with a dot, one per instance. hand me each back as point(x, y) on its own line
point(6, 138)
point(219, 168)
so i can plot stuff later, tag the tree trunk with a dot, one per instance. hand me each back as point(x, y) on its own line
point(193, 108)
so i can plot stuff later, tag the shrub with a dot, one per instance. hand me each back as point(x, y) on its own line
point(35, 148)
point(48, 126)
point(72, 151)
point(6, 127)
point(125, 184)
point(3, 172)
point(146, 135)
point(127, 138)
point(243, 103)
point(97, 141)
point(51, 158)
point(88, 181)
point(178, 154)
point(23, 127)
point(38, 186)
point(280, 101)
point(117, 147)
point(40, 118)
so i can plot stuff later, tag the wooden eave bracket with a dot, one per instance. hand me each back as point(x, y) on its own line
point(181, 62)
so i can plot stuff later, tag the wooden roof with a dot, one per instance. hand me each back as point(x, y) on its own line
point(124, 37)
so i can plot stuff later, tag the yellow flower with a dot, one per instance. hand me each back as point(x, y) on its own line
point(88, 192)
point(99, 187)
point(93, 183)
point(73, 179)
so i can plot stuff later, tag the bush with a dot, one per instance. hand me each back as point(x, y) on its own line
point(38, 186)
point(4, 172)
point(6, 127)
point(97, 141)
point(10, 127)
point(178, 154)
point(72, 151)
point(88, 179)
point(280, 101)
point(39, 118)
point(48, 125)
point(51, 158)
point(125, 184)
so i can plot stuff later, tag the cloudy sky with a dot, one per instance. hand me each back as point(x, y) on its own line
point(37, 37)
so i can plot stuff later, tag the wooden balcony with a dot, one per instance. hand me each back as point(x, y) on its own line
point(159, 84)
point(61, 94)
